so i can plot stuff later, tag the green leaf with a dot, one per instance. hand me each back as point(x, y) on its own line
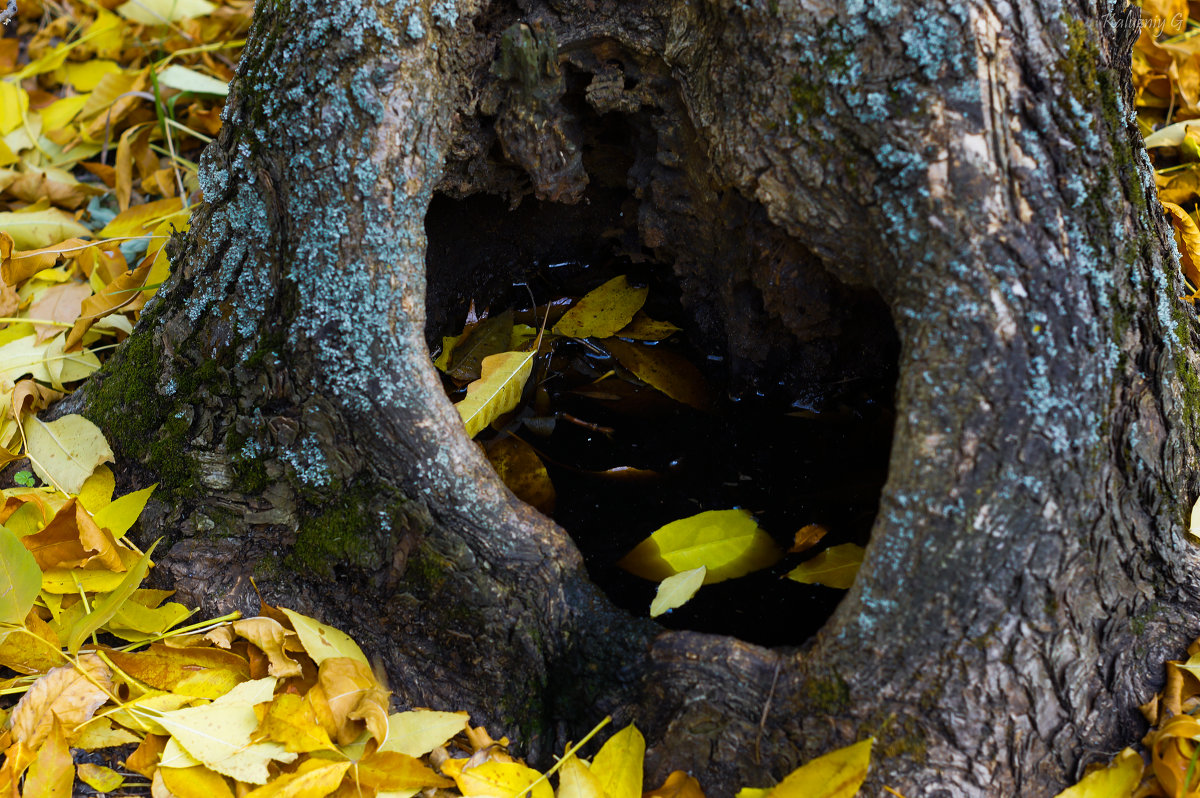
point(66, 451)
point(603, 311)
point(677, 590)
point(184, 79)
point(837, 774)
point(727, 542)
point(497, 391)
point(20, 578)
point(835, 567)
point(108, 606)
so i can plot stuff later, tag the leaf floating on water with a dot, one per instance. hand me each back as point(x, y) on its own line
point(644, 328)
point(837, 774)
point(807, 537)
point(666, 371)
point(835, 567)
point(520, 468)
point(727, 542)
point(677, 590)
point(604, 310)
point(489, 337)
point(497, 391)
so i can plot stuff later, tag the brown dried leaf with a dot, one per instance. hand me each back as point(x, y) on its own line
point(69, 694)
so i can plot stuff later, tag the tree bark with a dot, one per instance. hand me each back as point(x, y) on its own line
point(974, 166)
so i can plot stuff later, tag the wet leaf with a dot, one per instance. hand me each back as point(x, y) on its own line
point(663, 370)
point(835, 567)
point(497, 391)
point(20, 578)
point(603, 311)
point(66, 451)
point(1118, 780)
point(520, 468)
point(807, 537)
point(489, 337)
point(644, 328)
point(727, 542)
point(677, 590)
point(837, 774)
point(618, 764)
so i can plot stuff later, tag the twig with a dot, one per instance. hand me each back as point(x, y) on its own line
point(762, 721)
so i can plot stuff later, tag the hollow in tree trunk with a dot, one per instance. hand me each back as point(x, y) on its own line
point(973, 168)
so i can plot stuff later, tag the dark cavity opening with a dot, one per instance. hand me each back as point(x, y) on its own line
point(802, 367)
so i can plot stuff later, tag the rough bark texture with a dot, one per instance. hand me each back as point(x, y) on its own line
point(974, 165)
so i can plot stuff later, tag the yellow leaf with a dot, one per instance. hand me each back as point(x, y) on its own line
point(576, 780)
point(677, 590)
point(41, 228)
point(677, 785)
point(493, 778)
point(1187, 236)
point(20, 578)
point(100, 733)
point(644, 328)
point(194, 782)
point(664, 371)
point(727, 542)
point(66, 451)
point(60, 112)
point(118, 516)
point(1118, 780)
point(291, 720)
point(107, 607)
point(14, 102)
point(135, 622)
point(835, 567)
point(321, 641)
point(52, 773)
point(313, 779)
point(618, 764)
point(141, 220)
point(84, 75)
point(837, 774)
point(65, 693)
point(603, 310)
point(98, 777)
point(497, 391)
point(97, 490)
point(522, 471)
point(419, 731)
point(268, 634)
point(218, 735)
point(161, 12)
point(164, 667)
point(353, 695)
point(392, 770)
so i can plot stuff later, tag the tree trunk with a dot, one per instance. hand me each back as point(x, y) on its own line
point(974, 167)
